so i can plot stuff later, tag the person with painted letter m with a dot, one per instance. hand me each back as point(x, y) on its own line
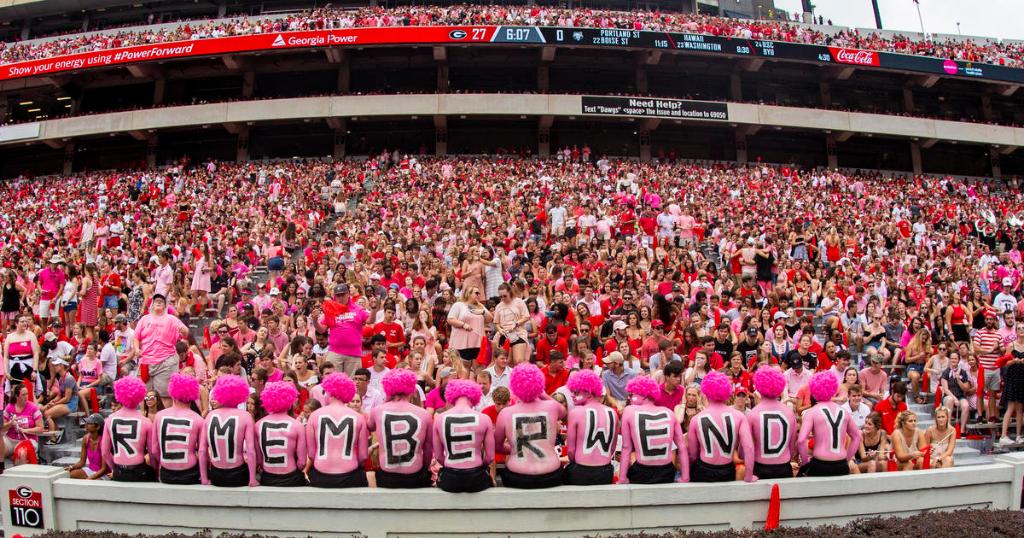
point(227, 450)
point(337, 438)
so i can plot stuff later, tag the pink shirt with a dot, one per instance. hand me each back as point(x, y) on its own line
point(126, 437)
point(463, 437)
point(404, 434)
point(526, 432)
point(175, 439)
point(337, 439)
point(591, 434)
point(27, 418)
point(717, 432)
point(157, 336)
point(773, 432)
point(830, 425)
point(281, 441)
point(345, 336)
point(50, 283)
point(648, 433)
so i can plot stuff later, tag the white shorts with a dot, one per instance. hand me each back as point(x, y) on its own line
point(47, 309)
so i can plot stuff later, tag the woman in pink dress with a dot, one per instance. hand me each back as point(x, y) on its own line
point(89, 297)
point(201, 280)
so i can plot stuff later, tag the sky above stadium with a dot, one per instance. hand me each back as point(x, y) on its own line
point(989, 18)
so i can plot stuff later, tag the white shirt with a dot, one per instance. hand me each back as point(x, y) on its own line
point(860, 415)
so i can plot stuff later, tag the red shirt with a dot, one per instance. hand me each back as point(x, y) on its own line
point(889, 414)
point(553, 381)
point(108, 281)
point(492, 411)
point(393, 332)
point(544, 348)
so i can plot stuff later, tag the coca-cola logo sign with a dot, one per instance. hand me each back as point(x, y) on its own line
point(854, 56)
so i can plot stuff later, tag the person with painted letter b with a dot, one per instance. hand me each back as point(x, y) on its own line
point(591, 434)
point(717, 433)
point(649, 434)
point(527, 432)
point(126, 434)
point(463, 440)
point(403, 430)
point(280, 439)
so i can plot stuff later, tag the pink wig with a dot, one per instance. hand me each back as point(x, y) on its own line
point(823, 386)
point(716, 387)
point(339, 386)
point(526, 382)
point(129, 391)
point(462, 388)
point(279, 396)
point(643, 386)
point(585, 381)
point(230, 390)
point(769, 382)
point(183, 388)
point(398, 382)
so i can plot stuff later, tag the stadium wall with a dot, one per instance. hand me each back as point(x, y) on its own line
point(68, 505)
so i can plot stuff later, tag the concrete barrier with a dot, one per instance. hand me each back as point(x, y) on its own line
point(43, 496)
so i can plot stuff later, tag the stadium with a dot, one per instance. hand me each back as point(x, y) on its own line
point(580, 252)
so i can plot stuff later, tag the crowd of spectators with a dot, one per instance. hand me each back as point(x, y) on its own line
point(990, 52)
point(463, 268)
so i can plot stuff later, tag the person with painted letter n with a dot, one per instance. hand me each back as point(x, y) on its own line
point(463, 440)
point(649, 433)
point(126, 434)
point(830, 425)
point(403, 430)
point(176, 434)
point(281, 439)
point(717, 433)
point(773, 427)
point(591, 434)
point(227, 450)
point(337, 439)
point(527, 432)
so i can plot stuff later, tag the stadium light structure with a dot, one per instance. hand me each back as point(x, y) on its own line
point(878, 14)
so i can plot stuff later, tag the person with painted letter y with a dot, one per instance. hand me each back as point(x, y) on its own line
point(337, 438)
point(403, 430)
point(591, 434)
point(176, 432)
point(227, 450)
point(527, 431)
point(773, 426)
point(830, 425)
point(280, 439)
point(126, 434)
point(463, 440)
point(649, 432)
point(717, 433)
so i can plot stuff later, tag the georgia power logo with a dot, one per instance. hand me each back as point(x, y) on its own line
point(278, 41)
point(24, 492)
point(457, 34)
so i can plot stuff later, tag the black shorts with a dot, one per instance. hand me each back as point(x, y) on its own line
point(229, 478)
point(134, 473)
point(469, 354)
point(705, 472)
point(589, 475)
point(294, 479)
point(352, 479)
point(779, 470)
point(512, 342)
point(511, 479)
point(826, 468)
point(188, 477)
point(651, 474)
point(464, 480)
point(419, 479)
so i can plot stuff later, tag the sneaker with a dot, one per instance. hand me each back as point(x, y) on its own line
point(1019, 440)
point(1004, 441)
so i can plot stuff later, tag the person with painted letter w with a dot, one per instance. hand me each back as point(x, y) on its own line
point(592, 433)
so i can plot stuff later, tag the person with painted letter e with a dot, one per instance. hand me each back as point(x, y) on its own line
point(716, 433)
point(829, 424)
point(176, 434)
point(227, 450)
point(773, 427)
point(463, 440)
point(527, 432)
point(337, 438)
point(649, 432)
point(126, 434)
point(403, 430)
point(280, 439)
point(592, 432)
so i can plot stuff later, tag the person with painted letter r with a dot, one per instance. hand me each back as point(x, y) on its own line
point(126, 434)
point(527, 431)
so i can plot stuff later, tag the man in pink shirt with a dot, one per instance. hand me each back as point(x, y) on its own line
point(345, 332)
point(51, 282)
point(156, 334)
point(874, 380)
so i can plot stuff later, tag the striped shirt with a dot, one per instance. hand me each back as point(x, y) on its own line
point(986, 338)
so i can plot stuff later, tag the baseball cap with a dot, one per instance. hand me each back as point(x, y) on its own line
point(394, 286)
point(741, 390)
point(752, 331)
point(875, 358)
point(341, 288)
point(657, 323)
point(159, 296)
point(614, 356)
point(275, 291)
point(1007, 281)
point(991, 313)
point(120, 318)
point(375, 276)
point(94, 418)
point(57, 361)
point(551, 329)
point(780, 315)
point(49, 337)
point(619, 325)
point(794, 361)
